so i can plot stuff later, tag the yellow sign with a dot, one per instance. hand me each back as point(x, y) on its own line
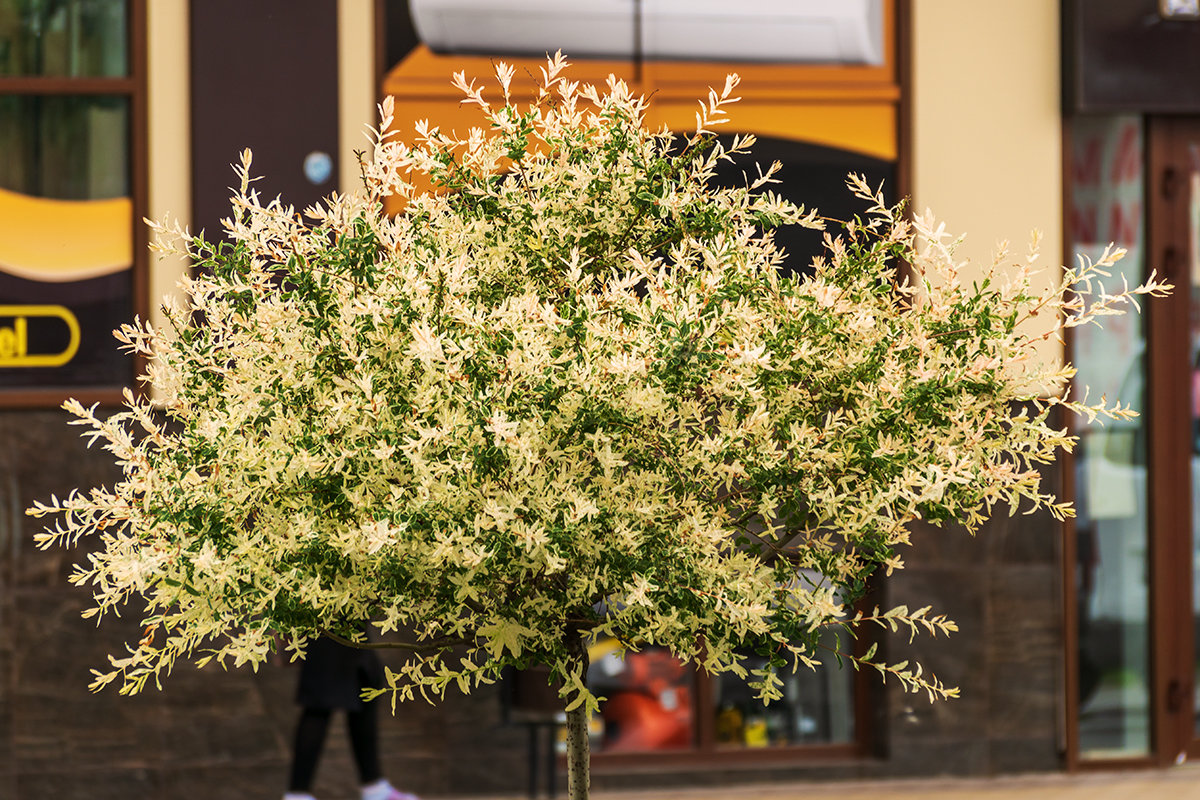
point(14, 337)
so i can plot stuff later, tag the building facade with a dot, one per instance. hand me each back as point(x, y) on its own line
point(1077, 644)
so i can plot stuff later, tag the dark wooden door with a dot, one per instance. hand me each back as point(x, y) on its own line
point(264, 76)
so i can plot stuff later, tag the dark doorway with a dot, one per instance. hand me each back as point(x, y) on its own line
point(264, 76)
point(813, 176)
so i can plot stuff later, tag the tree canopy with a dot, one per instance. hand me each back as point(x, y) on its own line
point(566, 392)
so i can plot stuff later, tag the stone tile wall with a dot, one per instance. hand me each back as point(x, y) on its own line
point(215, 734)
point(208, 733)
point(1004, 589)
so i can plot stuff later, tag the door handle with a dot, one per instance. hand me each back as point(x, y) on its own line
point(1175, 696)
point(1170, 183)
point(1170, 264)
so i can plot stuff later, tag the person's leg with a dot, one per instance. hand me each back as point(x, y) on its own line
point(306, 751)
point(364, 740)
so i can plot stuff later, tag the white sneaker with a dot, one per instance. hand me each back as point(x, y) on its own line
point(383, 790)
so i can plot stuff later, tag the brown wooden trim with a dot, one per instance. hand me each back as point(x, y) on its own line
point(1117, 764)
point(1159, 456)
point(1184, 131)
point(903, 31)
point(380, 39)
point(140, 165)
point(1169, 456)
point(1070, 544)
point(871, 697)
point(57, 85)
point(726, 757)
point(904, 107)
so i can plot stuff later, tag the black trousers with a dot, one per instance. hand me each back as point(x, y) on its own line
point(310, 739)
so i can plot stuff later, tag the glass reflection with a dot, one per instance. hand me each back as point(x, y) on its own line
point(64, 38)
point(1111, 497)
point(68, 147)
point(817, 707)
point(648, 703)
point(66, 232)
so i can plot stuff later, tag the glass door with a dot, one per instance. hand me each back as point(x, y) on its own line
point(1134, 548)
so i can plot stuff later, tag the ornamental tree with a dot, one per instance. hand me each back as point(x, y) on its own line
point(566, 392)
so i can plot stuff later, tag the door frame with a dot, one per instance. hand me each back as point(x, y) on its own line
point(1168, 411)
point(1169, 421)
point(134, 88)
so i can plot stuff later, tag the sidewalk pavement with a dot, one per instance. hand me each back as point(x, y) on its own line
point(1179, 783)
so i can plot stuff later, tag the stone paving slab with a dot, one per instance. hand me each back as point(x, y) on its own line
point(1181, 783)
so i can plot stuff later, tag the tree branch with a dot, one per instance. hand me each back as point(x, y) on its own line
point(433, 644)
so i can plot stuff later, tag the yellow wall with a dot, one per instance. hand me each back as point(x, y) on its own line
point(986, 121)
point(357, 84)
point(169, 137)
point(987, 146)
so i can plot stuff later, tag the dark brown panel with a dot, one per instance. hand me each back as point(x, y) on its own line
point(1169, 418)
point(1123, 55)
point(56, 85)
point(264, 76)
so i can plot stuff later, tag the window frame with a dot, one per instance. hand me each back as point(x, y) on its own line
point(132, 86)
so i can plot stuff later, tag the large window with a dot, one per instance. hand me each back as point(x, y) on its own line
point(656, 704)
point(71, 110)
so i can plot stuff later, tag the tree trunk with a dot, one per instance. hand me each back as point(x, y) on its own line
point(579, 778)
